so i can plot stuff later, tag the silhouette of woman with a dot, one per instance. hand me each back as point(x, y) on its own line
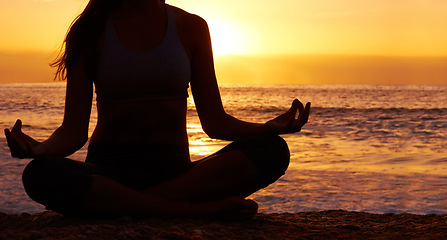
point(140, 56)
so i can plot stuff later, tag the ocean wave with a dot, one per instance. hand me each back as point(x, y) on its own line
point(442, 160)
point(369, 140)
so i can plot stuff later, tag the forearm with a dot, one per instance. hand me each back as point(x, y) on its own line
point(224, 126)
point(65, 141)
point(230, 128)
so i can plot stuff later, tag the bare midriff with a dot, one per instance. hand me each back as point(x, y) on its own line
point(152, 123)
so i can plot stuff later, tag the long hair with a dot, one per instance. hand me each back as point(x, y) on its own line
point(83, 36)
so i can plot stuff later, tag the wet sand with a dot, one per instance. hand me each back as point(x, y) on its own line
point(336, 224)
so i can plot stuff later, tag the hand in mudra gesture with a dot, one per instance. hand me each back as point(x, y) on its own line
point(21, 145)
point(288, 122)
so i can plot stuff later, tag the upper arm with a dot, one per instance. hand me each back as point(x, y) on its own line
point(203, 78)
point(78, 99)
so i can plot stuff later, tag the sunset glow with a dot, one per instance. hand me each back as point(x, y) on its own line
point(402, 28)
point(228, 38)
point(411, 28)
point(291, 26)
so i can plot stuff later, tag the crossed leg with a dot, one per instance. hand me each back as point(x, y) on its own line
point(216, 186)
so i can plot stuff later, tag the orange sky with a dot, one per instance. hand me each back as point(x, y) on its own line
point(254, 27)
point(379, 27)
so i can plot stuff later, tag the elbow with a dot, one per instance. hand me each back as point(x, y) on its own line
point(218, 127)
point(74, 138)
point(80, 137)
point(211, 132)
point(217, 132)
point(76, 144)
point(81, 141)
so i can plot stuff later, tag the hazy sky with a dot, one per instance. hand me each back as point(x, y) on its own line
point(261, 27)
point(371, 27)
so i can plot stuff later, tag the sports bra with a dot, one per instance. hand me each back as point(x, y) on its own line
point(160, 73)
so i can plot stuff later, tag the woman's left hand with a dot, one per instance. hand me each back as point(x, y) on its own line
point(288, 122)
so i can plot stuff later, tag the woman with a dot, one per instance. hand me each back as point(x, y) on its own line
point(141, 55)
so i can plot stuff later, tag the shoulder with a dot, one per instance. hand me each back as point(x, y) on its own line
point(190, 22)
point(193, 31)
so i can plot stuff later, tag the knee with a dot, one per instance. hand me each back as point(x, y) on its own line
point(280, 149)
point(34, 179)
point(54, 183)
point(40, 178)
point(271, 155)
point(277, 154)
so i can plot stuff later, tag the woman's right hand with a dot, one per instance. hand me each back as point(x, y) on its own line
point(22, 145)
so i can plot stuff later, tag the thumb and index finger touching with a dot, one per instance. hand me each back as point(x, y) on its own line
point(19, 145)
point(17, 127)
point(301, 113)
point(299, 109)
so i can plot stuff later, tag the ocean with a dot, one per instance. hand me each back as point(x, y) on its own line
point(371, 148)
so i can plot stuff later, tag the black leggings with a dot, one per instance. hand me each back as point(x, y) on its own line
point(62, 184)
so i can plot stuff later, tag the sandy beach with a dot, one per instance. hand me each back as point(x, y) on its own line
point(335, 224)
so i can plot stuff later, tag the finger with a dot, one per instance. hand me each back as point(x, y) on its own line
point(308, 105)
point(7, 133)
point(293, 113)
point(299, 108)
point(298, 124)
point(14, 145)
point(300, 105)
point(291, 122)
point(306, 111)
point(17, 127)
point(10, 138)
point(293, 109)
point(303, 118)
